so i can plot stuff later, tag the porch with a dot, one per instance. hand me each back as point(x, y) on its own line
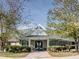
point(38, 43)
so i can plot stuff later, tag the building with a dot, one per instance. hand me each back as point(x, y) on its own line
point(38, 39)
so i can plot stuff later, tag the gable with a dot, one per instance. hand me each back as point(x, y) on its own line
point(39, 31)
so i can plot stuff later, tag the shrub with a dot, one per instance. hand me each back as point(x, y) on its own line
point(57, 48)
point(25, 49)
point(17, 49)
point(61, 48)
point(70, 46)
point(8, 48)
point(13, 48)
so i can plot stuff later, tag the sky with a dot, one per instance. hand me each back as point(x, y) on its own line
point(37, 11)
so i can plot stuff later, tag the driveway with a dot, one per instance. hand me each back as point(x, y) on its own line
point(42, 55)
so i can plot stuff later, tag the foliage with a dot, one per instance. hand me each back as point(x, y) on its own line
point(9, 19)
point(17, 49)
point(56, 48)
point(70, 46)
point(67, 13)
point(61, 48)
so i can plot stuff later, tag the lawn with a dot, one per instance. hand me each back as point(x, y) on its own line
point(14, 55)
point(62, 54)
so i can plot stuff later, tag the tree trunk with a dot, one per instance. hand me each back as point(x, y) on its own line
point(1, 33)
point(76, 45)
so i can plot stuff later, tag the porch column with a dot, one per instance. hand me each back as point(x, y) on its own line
point(47, 43)
point(29, 43)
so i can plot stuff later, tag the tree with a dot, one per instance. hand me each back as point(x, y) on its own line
point(9, 19)
point(66, 13)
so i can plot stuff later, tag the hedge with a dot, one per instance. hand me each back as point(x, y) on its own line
point(61, 48)
point(16, 49)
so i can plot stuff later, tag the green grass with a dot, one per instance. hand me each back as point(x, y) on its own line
point(14, 55)
point(62, 54)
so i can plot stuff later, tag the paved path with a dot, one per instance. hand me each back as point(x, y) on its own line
point(42, 55)
point(39, 55)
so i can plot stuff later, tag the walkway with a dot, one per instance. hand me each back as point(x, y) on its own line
point(45, 55)
point(39, 55)
point(42, 55)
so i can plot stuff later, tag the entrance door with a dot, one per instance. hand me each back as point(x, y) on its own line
point(39, 45)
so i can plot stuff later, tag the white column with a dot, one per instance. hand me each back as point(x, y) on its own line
point(47, 43)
